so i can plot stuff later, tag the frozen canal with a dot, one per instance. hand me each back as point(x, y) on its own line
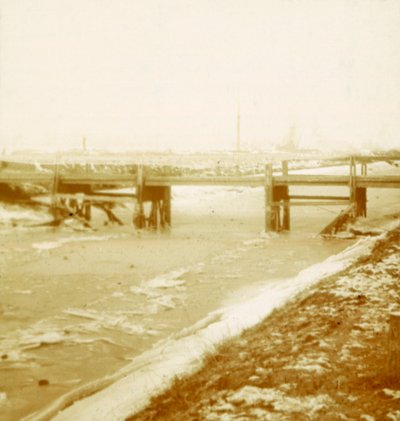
point(75, 307)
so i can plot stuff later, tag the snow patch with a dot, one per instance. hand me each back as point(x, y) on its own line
point(394, 416)
point(252, 395)
point(395, 394)
point(367, 418)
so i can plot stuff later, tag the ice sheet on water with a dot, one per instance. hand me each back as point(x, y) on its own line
point(14, 347)
point(154, 290)
point(47, 245)
point(168, 280)
point(255, 242)
point(109, 320)
point(147, 292)
point(156, 300)
point(34, 341)
point(23, 291)
point(164, 301)
point(268, 235)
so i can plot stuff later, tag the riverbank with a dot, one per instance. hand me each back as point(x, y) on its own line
point(323, 356)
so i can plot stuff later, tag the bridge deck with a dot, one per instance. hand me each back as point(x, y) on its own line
point(368, 181)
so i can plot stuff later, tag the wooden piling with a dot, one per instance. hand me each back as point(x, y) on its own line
point(87, 211)
point(56, 181)
point(138, 217)
point(352, 184)
point(153, 219)
point(361, 201)
point(286, 206)
point(358, 195)
point(270, 214)
point(276, 207)
point(362, 193)
point(167, 207)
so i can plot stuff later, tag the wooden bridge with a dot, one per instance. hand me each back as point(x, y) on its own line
point(74, 194)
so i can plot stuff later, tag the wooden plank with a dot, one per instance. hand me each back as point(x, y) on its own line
point(87, 197)
point(293, 179)
point(309, 197)
point(96, 198)
point(378, 181)
point(373, 181)
point(112, 194)
point(97, 179)
point(31, 177)
point(253, 181)
point(316, 180)
point(317, 203)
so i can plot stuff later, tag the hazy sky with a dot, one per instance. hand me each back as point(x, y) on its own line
point(169, 73)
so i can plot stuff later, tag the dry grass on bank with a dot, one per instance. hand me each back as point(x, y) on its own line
point(323, 356)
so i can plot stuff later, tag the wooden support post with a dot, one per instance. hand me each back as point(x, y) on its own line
point(167, 207)
point(278, 194)
point(54, 192)
point(87, 210)
point(394, 347)
point(139, 217)
point(361, 201)
point(363, 192)
point(286, 206)
point(153, 219)
point(352, 183)
point(270, 214)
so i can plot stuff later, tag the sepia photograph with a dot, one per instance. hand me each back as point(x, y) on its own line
point(199, 210)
